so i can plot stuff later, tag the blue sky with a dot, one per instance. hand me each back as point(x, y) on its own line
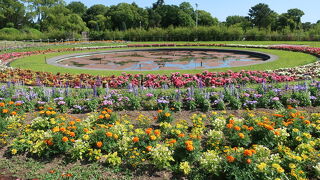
point(223, 8)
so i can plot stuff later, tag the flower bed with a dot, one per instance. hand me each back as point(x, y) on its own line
point(194, 98)
point(284, 145)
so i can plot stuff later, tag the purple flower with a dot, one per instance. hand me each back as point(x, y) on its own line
point(163, 101)
point(257, 95)
point(149, 95)
point(77, 107)
point(246, 94)
point(107, 102)
point(313, 97)
point(61, 103)
point(41, 102)
point(275, 99)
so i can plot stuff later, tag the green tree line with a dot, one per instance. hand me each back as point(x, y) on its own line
point(54, 19)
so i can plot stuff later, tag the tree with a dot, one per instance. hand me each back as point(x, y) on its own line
point(93, 11)
point(295, 15)
point(77, 7)
point(12, 14)
point(59, 18)
point(232, 20)
point(126, 15)
point(157, 4)
point(38, 8)
point(187, 8)
point(205, 18)
point(262, 16)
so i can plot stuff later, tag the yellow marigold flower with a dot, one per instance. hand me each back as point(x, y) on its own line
point(241, 135)
point(167, 114)
point(153, 137)
point(280, 170)
point(14, 151)
point(86, 137)
point(298, 138)
point(295, 130)
point(292, 166)
point(262, 166)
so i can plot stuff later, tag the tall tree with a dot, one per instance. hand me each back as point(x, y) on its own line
point(60, 18)
point(77, 7)
point(262, 16)
point(126, 15)
point(205, 18)
point(38, 8)
point(12, 14)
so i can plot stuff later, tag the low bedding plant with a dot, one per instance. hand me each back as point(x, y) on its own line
point(284, 145)
point(76, 101)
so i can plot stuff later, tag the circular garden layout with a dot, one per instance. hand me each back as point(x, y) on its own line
point(161, 59)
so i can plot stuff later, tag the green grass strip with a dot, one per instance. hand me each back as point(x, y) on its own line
point(286, 59)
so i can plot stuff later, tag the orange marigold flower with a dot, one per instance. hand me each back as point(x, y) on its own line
point(13, 113)
point(248, 161)
point(51, 171)
point(135, 139)
point(172, 141)
point(290, 107)
point(78, 120)
point(247, 152)
point(85, 130)
point(104, 112)
point(167, 114)
point(190, 147)
point(5, 110)
point(72, 134)
point(72, 140)
point(278, 115)
point(62, 129)
point(157, 132)
point(276, 133)
point(269, 127)
point(2, 104)
point(65, 139)
point(241, 135)
point(109, 110)
point(230, 159)
point(301, 117)
point(109, 134)
point(159, 111)
point(253, 151)
point(55, 129)
point(237, 128)
point(307, 122)
point(181, 135)
point(231, 121)
point(11, 102)
point(149, 148)
point(50, 108)
point(229, 126)
point(188, 143)
point(99, 144)
point(101, 116)
point(250, 128)
point(72, 123)
point(148, 131)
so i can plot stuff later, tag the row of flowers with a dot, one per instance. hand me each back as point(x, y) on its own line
point(134, 98)
point(284, 145)
point(156, 81)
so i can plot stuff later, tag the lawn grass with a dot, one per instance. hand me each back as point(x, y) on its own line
point(286, 59)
